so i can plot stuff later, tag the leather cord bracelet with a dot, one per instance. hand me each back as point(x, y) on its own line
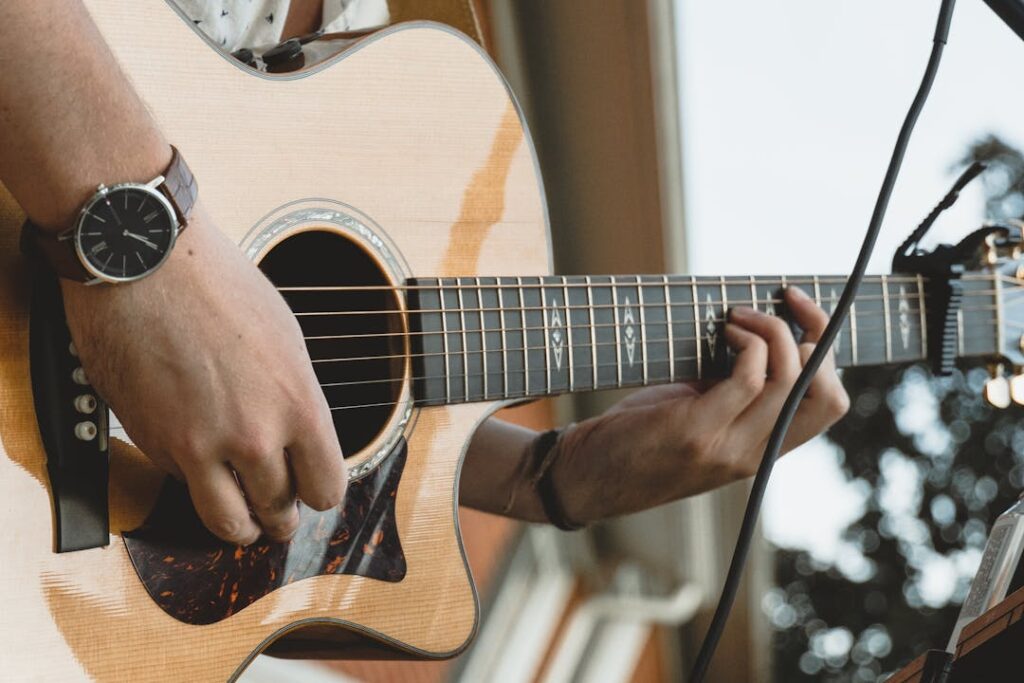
point(544, 455)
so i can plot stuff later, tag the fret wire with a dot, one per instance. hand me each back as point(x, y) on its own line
point(568, 331)
point(444, 330)
point(924, 324)
point(853, 331)
point(618, 339)
point(547, 341)
point(465, 344)
point(593, 328)
point(643, 327)
point(483, 333)
point(669, 328)
point(696, 326)
point(817, 291)
point(888, 321)
point(504, 340)
point(526, 344)
point(753, 293)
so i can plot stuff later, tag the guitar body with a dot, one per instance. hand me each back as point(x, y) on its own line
point(408, 146)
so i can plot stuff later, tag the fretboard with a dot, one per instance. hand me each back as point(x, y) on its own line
point(477, 339)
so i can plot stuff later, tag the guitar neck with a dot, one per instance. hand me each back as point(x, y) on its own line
point(477, 339)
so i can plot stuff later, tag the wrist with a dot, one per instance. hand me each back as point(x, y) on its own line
point(548, 453)
point(55, 204)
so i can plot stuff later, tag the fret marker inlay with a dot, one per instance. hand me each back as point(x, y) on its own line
point(904, 310)
point(555, 327)
point(710, 326)
point(629, 332)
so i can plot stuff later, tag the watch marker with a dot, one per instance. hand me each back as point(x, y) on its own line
point(101, 220)
point(150, 216)
point(105, 263)
point(98, 247)
point(138, 256)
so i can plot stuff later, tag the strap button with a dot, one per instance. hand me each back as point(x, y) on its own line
point(85, 431)
point(86, 403)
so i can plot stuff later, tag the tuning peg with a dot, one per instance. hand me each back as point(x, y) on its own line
point(997, 388)
point(1017, 387)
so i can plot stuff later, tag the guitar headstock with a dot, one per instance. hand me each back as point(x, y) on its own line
point(994, 293)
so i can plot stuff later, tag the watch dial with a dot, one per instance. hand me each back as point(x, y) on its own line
point(126, 233)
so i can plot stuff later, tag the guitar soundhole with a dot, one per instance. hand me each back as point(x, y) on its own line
point(349, 314)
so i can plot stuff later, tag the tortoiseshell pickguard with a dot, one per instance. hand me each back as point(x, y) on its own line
point(199, 579)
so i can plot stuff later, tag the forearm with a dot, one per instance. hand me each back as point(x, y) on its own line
point(493, 474)
point(69, 118)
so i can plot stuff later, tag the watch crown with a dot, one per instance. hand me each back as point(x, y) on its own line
point(101, 188)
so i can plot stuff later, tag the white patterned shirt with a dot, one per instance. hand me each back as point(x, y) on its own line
point(257, 24)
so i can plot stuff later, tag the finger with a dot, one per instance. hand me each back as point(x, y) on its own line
point(220, 504)
point(318, 464)
point(269, 490)
point(783, 367)
point(825, 404)
point(808, 315)
point(725, 401)
point(783, 358)
point(813, 321)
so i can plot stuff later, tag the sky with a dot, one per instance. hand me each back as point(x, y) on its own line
point(789, 113)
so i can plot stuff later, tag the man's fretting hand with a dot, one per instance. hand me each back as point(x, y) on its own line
point(207, 370)
point(677, 440)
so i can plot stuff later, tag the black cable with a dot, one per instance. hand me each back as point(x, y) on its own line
point(823, 347)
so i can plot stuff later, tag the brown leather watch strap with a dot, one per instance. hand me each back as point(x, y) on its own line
point(180, 187)
point(57, 250)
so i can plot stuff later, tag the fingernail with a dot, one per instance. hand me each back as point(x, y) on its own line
point(798, 293)
point(742, 312)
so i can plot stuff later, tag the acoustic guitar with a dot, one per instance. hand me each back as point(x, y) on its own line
point(393, 196)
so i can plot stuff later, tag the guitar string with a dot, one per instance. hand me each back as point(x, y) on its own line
point(703, 322)
point(716, 319)
point(651, 281)
point(636, 340)
point(460, 356)
point(659, 305)
point(655, 305)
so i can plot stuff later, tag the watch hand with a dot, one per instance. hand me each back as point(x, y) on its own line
point(111, 207)
point(148, 243)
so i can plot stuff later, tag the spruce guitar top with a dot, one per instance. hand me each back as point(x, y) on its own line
point(400, 212)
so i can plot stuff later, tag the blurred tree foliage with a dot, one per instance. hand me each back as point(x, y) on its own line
point(937, 465)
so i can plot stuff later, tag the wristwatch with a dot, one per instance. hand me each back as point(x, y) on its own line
point(123, 232)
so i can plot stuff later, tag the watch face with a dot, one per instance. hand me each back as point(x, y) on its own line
point(126, 232)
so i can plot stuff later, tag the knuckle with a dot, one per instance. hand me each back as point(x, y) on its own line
point(751, 382)
point(253, 446)
point(325, 500)
point(283, 528)
point(230, 529)
point(838, 403)
point(744, 467)
point(778, 329)
point(701, 445)
point(274, 506)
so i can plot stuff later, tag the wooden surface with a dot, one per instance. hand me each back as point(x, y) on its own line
point(415, 130)
point(991, 623)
